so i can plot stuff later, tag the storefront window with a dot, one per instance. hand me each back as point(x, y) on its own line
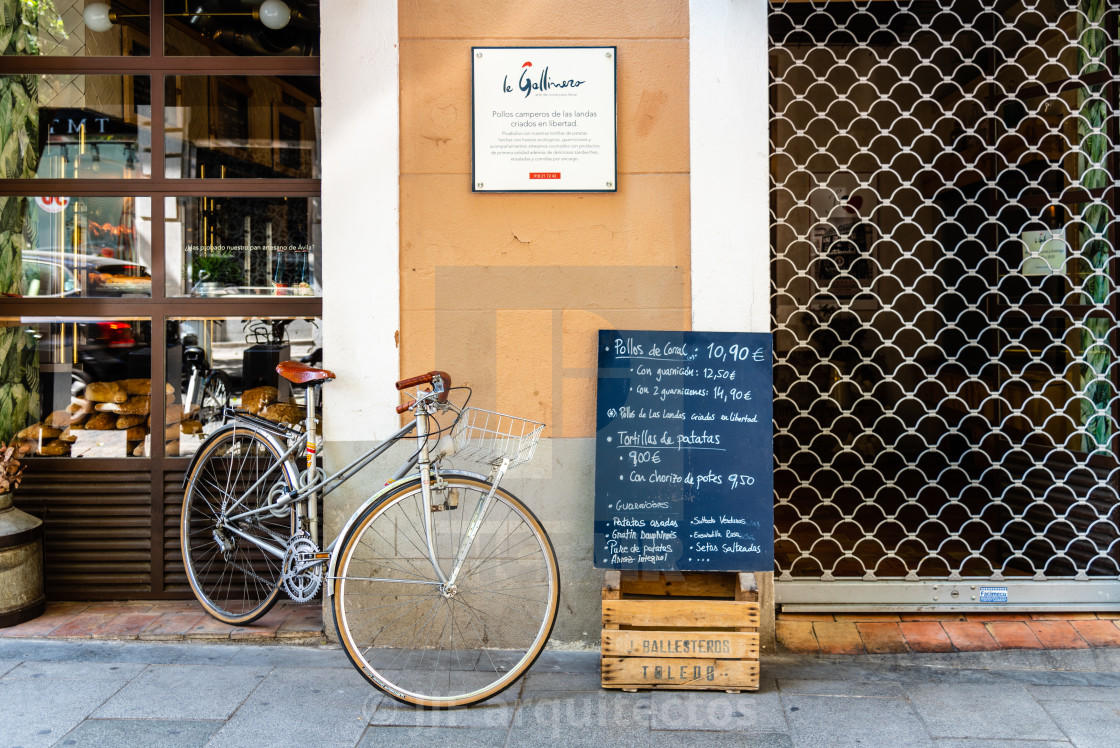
point(81, 28)
point(242, 126)
point(86, 247)
point(212, 27)
point(217, 362)
point(83, 386)
point(85, 126)
point(243, 246)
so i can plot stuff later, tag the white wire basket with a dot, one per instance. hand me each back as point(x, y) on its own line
point(489, 437)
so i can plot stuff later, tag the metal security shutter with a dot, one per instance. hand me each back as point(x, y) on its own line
point(97, 528)
point(944, 260)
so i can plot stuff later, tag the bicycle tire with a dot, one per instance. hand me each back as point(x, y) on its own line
point(422, 654)
point(235, 581)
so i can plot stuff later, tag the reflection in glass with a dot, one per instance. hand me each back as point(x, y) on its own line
point(83, 126)
point(71, 28)
point(242, 126)
point(217, 362)
point(243, 246)
point(85, 246)
point(86, 385)
point(216, 27)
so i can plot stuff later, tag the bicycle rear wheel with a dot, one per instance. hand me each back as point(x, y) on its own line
point(428, 644)
point(234, 579)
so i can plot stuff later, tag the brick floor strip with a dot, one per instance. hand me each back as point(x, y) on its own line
point(797, 636)
point(1014, 635)
point(969, 636)
point(836, 637)
point(1057, 635)
point(925, 636)
point(1098, 633)
point(882, 638)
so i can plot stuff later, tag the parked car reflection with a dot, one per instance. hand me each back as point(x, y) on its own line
point(53, 274)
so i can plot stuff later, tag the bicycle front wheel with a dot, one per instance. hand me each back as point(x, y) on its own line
point(434, 644)
point(229, 571)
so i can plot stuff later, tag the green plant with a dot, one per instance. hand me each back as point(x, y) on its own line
point(11, 472)
point(219, 268)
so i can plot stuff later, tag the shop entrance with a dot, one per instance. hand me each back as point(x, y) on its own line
point(944, 254)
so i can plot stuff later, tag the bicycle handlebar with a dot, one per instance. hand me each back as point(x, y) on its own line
point(440, 381)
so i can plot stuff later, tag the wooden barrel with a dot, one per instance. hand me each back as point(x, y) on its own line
point(21, 564)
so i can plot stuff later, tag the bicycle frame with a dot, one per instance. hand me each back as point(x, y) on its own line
point(306, 497)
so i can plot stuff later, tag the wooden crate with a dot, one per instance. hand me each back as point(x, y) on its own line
point(680, 631)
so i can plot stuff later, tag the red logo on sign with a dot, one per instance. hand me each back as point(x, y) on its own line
point(544, 175)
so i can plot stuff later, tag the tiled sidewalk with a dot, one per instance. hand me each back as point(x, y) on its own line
point(889, 633)
point(168, 621)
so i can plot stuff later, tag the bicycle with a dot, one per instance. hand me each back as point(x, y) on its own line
point(444, 586)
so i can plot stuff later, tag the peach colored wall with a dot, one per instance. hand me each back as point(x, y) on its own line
point(506, 291)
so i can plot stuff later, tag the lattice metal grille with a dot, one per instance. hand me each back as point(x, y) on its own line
point(944, 232)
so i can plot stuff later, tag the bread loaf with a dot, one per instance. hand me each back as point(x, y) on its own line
point(67, 436)
point(190, 426)
point(59, 419)
point(55, 448)
point(258, 398)
point(283, 413)
point(39, 431)
point(105, 392)
point(136, 433)
point(79, 409)
point(136, 386)
point(102, 422)
point(127, 422)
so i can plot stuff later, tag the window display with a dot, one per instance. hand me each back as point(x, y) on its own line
point(78, 388)
point(213, 363)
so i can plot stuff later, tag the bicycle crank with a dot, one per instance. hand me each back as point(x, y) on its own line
point(302, 571)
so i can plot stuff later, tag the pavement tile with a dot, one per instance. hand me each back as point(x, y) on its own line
point(113, 733)
point(838, 637)
point(988, 710)
point(1108, 694)
point(84, 624)
point(867, 617)
point(126, 626)
point(45, 700)
point(1057, 635)
point(925, 636)
point(753, 712)
point(883, 689)
point(264, 627)
point(1087, 724)
point(209, 628)
point(1013, 635)
point(842, 720)
point(565, 719)
point(1098, 633)
point(303, 621)
point(1064, 616)
point(495, 712)
point(183, 692)
point(172, 625)
point(997, 617)
point(562, 682)
point(969, 636)
point(426, 737)
point(796, 636)
point(54, 616)
point(696, 739)
point(882, 638)
point(302, 707)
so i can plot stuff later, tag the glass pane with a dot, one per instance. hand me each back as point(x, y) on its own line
point(76, 28)
point(80, 246)
point(214, 362)
point(243, 246)
point(78, 387)
point(230, 27)
point(79, 126)
point(242, 126)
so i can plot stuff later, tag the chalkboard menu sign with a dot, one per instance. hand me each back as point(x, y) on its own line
point(684, 451)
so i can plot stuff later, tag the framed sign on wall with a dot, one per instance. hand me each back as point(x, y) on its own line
point(544, 119)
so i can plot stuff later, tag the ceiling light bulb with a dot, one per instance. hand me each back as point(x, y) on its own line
point(98, 17)
point(275, 14)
